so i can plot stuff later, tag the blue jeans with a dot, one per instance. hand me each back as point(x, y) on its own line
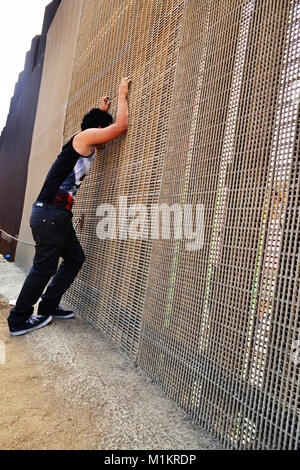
point(55, 237)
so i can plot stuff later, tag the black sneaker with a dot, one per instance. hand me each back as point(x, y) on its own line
point(34, 322)
point(61, 312)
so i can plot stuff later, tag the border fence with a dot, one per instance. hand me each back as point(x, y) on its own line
point(214, 119)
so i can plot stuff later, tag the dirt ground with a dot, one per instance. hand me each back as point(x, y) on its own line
point(66, 386)
point(32, 413)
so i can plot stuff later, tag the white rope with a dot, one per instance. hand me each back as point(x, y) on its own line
point(76, 223)
point(17, 239)
point(27, 243)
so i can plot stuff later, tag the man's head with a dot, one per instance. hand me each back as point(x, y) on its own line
point(96, 117)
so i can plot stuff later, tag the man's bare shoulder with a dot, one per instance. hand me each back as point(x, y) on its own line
point(80, 146)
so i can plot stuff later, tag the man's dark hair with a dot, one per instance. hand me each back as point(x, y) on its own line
point(96, 117)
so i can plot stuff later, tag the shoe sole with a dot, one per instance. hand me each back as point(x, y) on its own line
point(23, 332)
point(69, 315)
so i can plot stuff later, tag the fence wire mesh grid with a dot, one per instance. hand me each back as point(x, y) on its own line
point(214, 118)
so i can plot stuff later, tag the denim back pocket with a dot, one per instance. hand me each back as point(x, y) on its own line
point(37, 218)
point(49, 226)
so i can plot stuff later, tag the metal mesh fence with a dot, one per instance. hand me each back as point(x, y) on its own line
point(214, 119)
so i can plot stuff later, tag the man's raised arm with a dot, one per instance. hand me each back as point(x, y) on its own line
point(91, 137)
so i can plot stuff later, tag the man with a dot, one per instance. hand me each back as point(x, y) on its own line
point(51, 219)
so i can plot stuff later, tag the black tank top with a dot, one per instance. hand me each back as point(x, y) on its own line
point(65, 177)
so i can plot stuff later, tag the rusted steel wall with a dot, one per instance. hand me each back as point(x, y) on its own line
point(220, 326)
point(47, 136)
point(15, 140)
point(115, 39)
point(214, 120)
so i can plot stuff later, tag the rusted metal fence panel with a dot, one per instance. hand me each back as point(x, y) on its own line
point(16, 137)
point(214, 120)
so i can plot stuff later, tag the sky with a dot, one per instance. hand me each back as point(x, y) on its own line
point(20, 21)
